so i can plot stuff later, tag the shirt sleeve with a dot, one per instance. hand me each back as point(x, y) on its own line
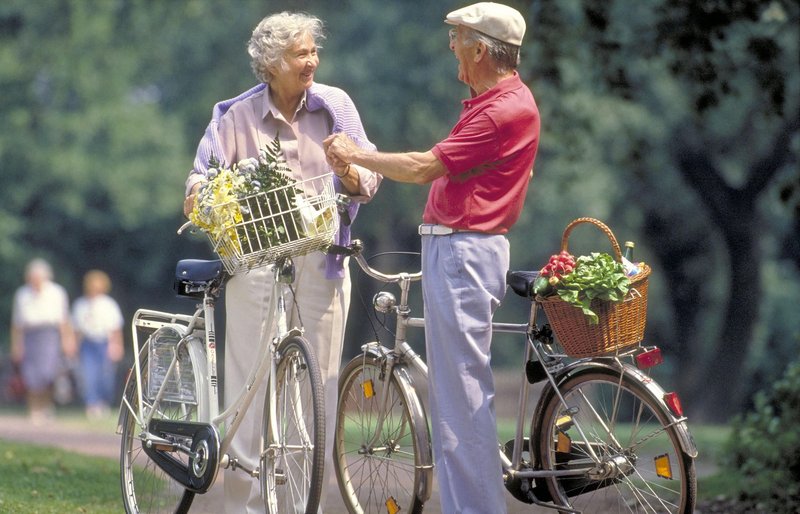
point(467, 146)
point(368, 182)
point(117, 321)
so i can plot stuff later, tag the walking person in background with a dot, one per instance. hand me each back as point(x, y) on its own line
point(97, 320)
point(479, 176)
point(283, 50)
point(40, 337)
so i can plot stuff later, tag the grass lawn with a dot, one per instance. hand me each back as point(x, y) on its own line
point(46, 480)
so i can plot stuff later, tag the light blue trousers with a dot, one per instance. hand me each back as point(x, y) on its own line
point(463, 282)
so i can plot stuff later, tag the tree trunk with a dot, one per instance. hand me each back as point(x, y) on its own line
point(722, 392)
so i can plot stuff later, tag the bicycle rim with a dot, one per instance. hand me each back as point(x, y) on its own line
point(393, 474)
point(146, 488)
point(293, 459)
point(645, 468)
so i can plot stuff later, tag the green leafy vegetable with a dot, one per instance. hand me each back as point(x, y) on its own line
point(596, 276)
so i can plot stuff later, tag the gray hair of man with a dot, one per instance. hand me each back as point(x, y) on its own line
point(505, 55)
point(39, 267)
point(274, 35)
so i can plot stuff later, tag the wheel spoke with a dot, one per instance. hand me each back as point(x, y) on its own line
point(292, 484)
point(376, 450)
point(146, 487)
point(616, 423)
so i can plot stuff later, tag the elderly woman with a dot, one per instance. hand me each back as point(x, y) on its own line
point(40, 331)
point(284, 56)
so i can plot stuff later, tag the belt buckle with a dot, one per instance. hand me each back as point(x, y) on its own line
point(430, 229)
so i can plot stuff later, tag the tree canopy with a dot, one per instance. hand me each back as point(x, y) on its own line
point(676, 122)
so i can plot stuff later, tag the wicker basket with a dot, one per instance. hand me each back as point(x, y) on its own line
point(283, 222)
point(620, 324)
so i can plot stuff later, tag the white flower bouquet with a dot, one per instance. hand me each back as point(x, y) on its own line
point(255, 211)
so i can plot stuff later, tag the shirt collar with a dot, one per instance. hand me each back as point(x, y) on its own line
point(270, 109)
point(501, 87)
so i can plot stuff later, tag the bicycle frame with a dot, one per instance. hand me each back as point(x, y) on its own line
point(403, 354)
point(208, 404)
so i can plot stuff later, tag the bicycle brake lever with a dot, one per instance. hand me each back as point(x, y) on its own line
point(184, 227)
point(353, 248)
point(343, 208)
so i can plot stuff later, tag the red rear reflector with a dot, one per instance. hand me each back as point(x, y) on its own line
point(674, 403)
point(649, 359)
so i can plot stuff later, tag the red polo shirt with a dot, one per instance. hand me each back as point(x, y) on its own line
point(489, 156)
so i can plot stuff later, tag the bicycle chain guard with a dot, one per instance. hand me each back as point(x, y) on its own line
point(201, 471)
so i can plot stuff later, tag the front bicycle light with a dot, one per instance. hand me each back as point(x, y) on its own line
point(384, 302)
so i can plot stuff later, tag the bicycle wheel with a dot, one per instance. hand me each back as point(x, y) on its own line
point(294, 442)
point(390, 471)
point(642, 466)
point(146, 488)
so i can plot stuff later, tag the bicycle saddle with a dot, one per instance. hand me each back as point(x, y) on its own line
point(521, 282)
point(192, 276)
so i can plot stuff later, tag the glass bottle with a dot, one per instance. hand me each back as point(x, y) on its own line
point(631, 269)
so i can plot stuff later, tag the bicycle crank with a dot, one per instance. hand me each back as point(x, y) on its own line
point(198, 441)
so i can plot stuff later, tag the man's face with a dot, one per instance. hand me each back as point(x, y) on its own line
point(464, 54)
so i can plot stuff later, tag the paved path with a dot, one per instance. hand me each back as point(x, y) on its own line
point(76, 435)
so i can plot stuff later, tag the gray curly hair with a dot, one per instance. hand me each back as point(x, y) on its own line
point(274, 35)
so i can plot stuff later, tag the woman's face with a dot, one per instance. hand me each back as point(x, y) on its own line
point(301, 62)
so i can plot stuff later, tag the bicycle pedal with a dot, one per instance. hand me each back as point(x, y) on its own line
point(280, 477)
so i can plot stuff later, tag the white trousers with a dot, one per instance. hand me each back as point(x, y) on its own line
point(323, 305)
point(463, 282)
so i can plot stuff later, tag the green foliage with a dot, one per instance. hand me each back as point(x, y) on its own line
point(51, 481)
point(764, 446)
point(596, 277)
point(671, 121)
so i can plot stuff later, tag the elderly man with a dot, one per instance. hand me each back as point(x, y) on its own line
point(479, 176)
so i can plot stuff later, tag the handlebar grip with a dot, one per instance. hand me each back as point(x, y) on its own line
point(186, 225)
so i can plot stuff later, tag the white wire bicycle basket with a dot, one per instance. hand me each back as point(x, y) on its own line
point(287, 221)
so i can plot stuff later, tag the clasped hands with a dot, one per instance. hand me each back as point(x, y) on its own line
point(339, 152)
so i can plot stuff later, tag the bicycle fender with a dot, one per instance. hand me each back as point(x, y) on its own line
point(653, 389)
point(425, 448)
point(197, 354)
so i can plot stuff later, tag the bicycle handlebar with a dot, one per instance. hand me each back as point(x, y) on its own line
point(355, 248)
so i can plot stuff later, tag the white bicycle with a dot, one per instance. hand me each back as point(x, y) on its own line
point(174, 437)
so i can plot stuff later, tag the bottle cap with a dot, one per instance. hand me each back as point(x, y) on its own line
point(629, 244)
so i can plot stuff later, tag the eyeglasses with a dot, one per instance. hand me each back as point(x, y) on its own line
point(453, 34)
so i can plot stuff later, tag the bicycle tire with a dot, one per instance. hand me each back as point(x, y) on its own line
point(641, 443)
point(294, 457)
point(146, 488)
point(397, 475)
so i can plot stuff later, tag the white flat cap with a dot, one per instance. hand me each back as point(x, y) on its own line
point(496, 20)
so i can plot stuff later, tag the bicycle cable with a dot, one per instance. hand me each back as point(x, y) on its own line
point(371, 311)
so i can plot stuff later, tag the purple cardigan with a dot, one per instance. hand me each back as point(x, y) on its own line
point(319, 96)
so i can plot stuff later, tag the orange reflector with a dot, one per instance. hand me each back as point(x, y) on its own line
point(564, 422)
point(391, 506)
point(564, 443)
point(366, 386)
point(649, 359)
point(663, 466)
point(674, 403)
